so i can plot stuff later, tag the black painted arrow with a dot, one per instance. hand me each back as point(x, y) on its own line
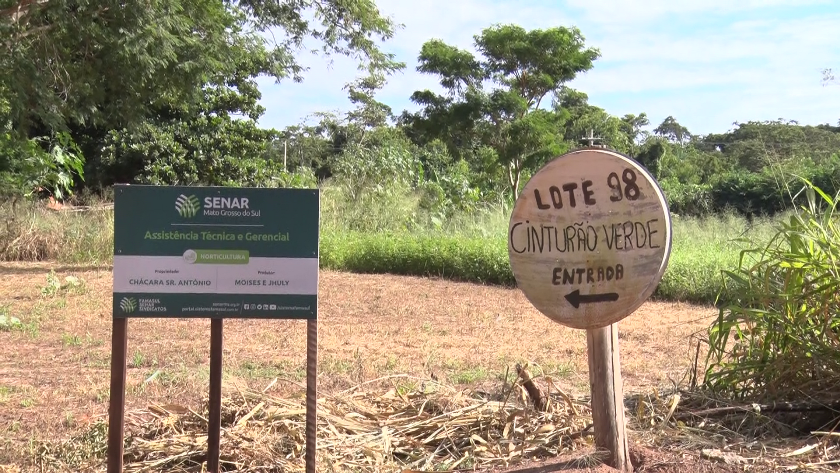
point(576, 298)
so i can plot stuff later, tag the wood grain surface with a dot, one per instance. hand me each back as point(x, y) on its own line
point(589, 238)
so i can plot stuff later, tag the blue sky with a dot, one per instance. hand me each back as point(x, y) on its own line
point(708, 63)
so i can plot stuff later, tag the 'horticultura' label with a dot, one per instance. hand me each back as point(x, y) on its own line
point(589, 238)
point(215, 251)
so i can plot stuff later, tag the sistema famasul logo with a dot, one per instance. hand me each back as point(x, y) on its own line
point(128, 304)
point(187, 206)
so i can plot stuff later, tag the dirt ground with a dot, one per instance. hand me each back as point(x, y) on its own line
point(54, 369)
point(643, 460)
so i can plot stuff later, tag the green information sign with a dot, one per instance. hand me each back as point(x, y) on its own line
point(215, 252)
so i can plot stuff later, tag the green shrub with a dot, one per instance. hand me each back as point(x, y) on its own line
point(50, 165)
point(750, 193)
point(768, 192)
point(688, 199)
point(200, 148)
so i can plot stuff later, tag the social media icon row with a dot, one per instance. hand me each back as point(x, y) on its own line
point(260, 307)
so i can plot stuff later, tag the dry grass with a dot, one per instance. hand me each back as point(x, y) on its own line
point(54, 380)
point(359, 431)
point(675, 421)
point(30, 232)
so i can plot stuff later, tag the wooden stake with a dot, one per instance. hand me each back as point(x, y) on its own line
point(311, 393)
point(116, 407)
point(607, 396)
point(215, 402)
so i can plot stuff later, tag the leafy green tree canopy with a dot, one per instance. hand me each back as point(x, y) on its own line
point(147, 87)
point(110, 61)
point(671, 129)
point(494, 99)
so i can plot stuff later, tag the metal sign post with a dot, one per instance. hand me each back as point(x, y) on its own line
point(589, 240)
point(213, 252)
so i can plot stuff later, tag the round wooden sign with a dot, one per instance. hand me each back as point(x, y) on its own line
point(589, 238)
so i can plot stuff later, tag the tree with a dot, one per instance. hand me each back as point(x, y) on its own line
point(494, 100)
point(631, 126)
point(305, 146)
point(753, 145)
point(650, 155)
point(581, 118)
point(672, 131)
point(101, 60)
point(369, 114)
point(202, 146)
point(90, 67)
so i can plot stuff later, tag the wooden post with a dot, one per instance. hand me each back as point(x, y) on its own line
point(214, 416)
point(311, 392)
point(608, 396)
point(116, 407)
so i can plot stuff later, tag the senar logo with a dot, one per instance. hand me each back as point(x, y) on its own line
point(128, 304)
point(229, 207)
point(187, 206)
point(225, 202)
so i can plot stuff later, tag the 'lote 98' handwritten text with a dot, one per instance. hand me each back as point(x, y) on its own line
point(571, 194)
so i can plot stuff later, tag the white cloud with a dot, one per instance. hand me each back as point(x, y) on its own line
point(708, 63)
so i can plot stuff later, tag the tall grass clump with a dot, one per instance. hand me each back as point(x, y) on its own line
point(777, 336)
point(30, 232)
point(702, 248)
point(456, 257)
